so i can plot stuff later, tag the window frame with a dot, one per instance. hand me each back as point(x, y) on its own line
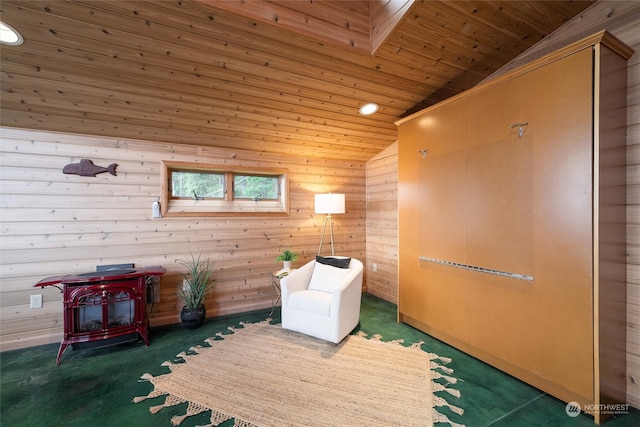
point(228, 206)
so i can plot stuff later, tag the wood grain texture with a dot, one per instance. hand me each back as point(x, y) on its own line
point(382, 224)
point(54, 223)
point(281, 77)
point(622, 20)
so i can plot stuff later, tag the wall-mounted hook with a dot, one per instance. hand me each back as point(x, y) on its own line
point(521, 127)
point(424, 152)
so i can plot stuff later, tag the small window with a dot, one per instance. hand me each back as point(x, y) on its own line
point(195, 189)
point(256, 187)
point(197, 184)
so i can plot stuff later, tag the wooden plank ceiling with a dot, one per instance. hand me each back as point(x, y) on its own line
point(285, 77)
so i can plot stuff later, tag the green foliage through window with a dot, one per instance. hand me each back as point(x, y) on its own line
point(255, 187)
point(200, 184)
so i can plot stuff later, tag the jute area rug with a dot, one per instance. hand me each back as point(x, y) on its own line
point(262, 375)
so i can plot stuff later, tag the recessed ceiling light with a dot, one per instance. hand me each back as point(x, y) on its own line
point(368, 109)
point(9, 36)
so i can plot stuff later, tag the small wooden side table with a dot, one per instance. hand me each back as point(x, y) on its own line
point(275, 282)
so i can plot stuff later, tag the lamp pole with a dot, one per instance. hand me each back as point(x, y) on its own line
point(324, 229)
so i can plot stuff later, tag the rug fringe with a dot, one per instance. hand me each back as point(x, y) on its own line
point(171, 400)
point(445, 360)
point(146, 377)
point(449, 379)
point(417, 345)
point(439, 402)
point(441, 387)
point(217, 418)
point(436, 365)
point(196, 348)
point(153, 394)
point(169, 364)
point(243, 423)
point(192, 409)
point(440, 418)
point(211, 340)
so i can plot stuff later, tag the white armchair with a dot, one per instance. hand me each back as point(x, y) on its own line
point(322, 300)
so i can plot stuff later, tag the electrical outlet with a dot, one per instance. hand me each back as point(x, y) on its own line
point(375, 267)
point(36, 301)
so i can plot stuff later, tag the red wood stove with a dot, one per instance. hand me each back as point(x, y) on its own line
point(104, 307)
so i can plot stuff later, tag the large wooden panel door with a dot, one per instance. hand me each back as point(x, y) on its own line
point(518, 230)
point(529, 211)
point(431, 177)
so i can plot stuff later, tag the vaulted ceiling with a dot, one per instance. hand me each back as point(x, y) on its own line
point(274, 76)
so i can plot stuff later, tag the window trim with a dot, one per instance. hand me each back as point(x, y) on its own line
point(172, 207)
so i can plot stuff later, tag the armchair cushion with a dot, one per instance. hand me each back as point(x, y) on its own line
point(326, 278)
point(342, 262)
point(316, 302)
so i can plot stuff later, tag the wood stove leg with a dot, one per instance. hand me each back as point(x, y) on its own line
point(63, 347)
point(144, 333)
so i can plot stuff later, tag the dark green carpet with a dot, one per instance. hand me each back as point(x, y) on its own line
point(95, 387)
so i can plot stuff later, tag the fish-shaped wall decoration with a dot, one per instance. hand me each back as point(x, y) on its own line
point(87, 168)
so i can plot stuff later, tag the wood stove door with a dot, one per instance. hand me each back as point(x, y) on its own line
point(104, 309)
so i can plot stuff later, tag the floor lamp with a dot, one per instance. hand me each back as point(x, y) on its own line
point(329, 204)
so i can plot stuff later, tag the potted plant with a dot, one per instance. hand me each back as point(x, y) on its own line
point(287, 257)
point(195, 285)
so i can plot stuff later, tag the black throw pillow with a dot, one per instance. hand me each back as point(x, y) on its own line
point(334, 262)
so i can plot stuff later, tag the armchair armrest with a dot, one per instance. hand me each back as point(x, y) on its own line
point(354, 278)
point(298, 280)
point(350, 289)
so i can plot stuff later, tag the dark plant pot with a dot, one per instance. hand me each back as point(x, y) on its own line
point(192, 318)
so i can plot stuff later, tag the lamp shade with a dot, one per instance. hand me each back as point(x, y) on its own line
point(329, 203)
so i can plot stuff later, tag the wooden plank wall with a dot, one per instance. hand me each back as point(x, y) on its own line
point(382, 224)
point(52, 223)
point(630, 35)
